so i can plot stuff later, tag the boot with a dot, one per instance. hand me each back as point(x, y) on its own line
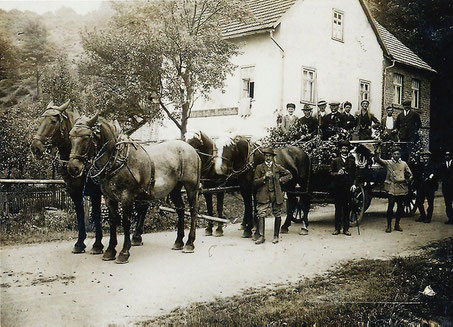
point(388, 229)
point(397, 225)
point(277, 223)
point(260, 240)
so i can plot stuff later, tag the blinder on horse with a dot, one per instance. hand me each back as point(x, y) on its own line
point(84, 132)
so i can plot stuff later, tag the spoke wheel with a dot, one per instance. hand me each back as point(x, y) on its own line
point(358, 203)
point(409, 204)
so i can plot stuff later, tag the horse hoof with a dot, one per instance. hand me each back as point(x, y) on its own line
point(188, 249)
point(177, 246)
point(109, 255)
point(246, 234)
point(78, 249)
point(303, 231)
point(122, 258)
point(218, 233)
point(208, 232)
point(284, 230)
point(95, 251)
point(136, 241)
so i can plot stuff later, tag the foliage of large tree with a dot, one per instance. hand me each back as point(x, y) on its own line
point(167, 51)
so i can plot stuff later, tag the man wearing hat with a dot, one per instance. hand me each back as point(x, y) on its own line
point(309, 121)
point(408, 123)
point(290, 118)
point(365, 120)
point(343, 171)
point(348, 118)
point(446, 171)
point(388, 125)
point(426, 185)
point(267, 179)
point(321, 115)
point(396, 185)
point(334, 121)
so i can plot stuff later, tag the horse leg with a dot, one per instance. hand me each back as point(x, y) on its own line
point(219, 229)
point(80, 246)
point(124, 255)
point(96, 217)
point(291, 204)
point(305, 202)
point(114, 220)
point(208, 198)
point(192, 197)
point(248, 213)
point(141, 208)
point(176, 198)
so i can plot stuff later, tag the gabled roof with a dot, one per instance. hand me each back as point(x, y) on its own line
point(268, 14)
point(399, 52)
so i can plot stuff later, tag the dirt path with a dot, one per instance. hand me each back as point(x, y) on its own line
point(46, 285)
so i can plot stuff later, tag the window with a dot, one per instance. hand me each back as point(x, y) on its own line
point(415, 93)
point(308, 85)
point(248, 82)
point(397, 88)
point(364, 91)
point(337, 25)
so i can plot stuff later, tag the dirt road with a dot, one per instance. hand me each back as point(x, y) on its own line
point(46, 285)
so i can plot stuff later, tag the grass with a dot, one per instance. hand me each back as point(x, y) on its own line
point(359, 293)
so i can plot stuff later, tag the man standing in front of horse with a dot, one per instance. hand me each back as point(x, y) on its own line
point(343, 171)
point(268, 177)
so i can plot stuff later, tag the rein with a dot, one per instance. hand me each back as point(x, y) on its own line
point(47, 140)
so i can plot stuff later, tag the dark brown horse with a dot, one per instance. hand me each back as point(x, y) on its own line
point(129, 172)
point(53, 132)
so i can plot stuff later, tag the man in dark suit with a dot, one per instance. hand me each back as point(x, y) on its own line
point(267, 179)
point(365, 120)
point(446, 171)
point(321, 116)
point(334, 121)
point(349, 119)
point(426, 185)
point(309, 121)
point(343, 171)
point(408, 123)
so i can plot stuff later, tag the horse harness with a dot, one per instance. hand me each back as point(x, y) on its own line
point(47, 140)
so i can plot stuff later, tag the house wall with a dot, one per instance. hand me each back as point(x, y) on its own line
point(305, 36)
point(410, 73)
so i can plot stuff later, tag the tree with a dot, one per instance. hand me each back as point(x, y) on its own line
point(8, 59)
point(36, 50)
point(167, 51)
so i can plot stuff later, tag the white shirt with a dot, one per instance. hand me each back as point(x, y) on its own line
point(389, 122)
point(448, 163)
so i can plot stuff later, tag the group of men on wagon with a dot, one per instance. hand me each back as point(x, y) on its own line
point(405, 129)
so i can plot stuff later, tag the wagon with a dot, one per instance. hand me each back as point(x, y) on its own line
point(371, 185)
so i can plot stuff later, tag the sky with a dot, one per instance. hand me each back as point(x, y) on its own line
point(41, 6)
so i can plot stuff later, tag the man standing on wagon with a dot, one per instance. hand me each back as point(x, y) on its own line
point(396, 185)
point(365, 120)
point(310, 122)
point(268, 177)
point(343, 171)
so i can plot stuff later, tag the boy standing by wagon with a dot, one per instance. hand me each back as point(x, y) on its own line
point(267, 180)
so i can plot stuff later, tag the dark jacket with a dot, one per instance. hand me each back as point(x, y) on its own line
point(408, 126)
point(425, 177)
point(311, 123)
point(349, 121)
point(364, 124)
point(262, 184)
point(446, 175)
point(333, 123)
point(343, 181)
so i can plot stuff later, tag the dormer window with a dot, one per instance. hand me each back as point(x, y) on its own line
point(337, 25)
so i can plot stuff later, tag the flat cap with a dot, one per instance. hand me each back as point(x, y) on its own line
point(427, 153)
point(291, 105)
point(334, 103)
point(268, 151)
point(307, 107)
point(364, 101)
point(322, 103)
point(407, 103)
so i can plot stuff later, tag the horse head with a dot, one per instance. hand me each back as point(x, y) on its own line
point(85, 140)
point(230, 155)
point(53, 124)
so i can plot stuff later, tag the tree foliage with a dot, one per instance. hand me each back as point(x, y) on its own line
point(169, 51)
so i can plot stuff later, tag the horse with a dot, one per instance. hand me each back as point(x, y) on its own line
point(225, 162)
point(53, 132)
point(128, 172)
point(298, 163)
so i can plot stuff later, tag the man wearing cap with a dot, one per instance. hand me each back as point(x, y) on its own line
point(343, 171)
point(267, 179)
point(388, 125)
point(309, 121)
point(349, 119)
point(426, 186)
point(365, 120)
point(446, 171)
point(396, 185)
point(290, 118)
point(408, 123)
point(334, 121)
point(321, 115)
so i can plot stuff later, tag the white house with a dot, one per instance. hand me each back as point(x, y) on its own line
point(298, 51)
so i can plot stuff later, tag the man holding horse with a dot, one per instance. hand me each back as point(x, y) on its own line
point(267, 179)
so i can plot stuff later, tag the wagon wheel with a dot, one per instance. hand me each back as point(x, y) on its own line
point(409, 204)
point(358, 203)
